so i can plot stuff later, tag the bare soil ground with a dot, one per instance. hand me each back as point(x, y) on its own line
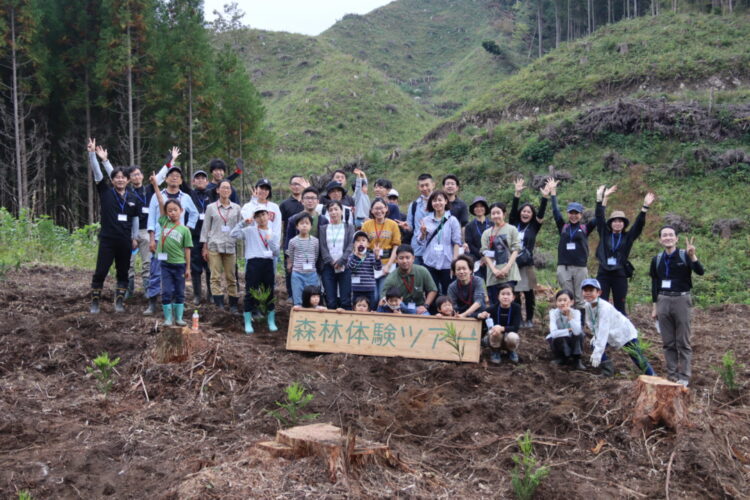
point(454, 425)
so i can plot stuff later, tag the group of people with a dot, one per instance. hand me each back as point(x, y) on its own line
point(360, 252)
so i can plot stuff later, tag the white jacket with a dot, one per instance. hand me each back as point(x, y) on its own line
point(609, 327)
point(555, 332)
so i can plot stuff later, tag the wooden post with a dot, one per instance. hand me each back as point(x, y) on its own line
point(659, 402)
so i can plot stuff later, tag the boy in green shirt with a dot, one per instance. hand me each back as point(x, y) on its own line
point(173, 253)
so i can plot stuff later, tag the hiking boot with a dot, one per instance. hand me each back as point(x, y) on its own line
point(179, 311)
point(513, 356)
point(495, 358)
point(151, 309)
point(197, 295)
point(96, 295)
point(233, 301)
point(131, 289)
point(248, 323)
point(607, 368)
point(120, 300)
point(683, 382)
point(272, 321)
point(219, 301)
point(577, 364)
point(257, 315)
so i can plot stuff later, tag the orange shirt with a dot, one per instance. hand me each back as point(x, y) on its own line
point(387, 235)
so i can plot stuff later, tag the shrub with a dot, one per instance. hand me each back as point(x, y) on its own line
point(527, 475)
point(103, 368)
point(295, 402)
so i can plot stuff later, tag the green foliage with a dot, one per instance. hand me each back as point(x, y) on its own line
point(25, 495)
point(452, 338)
point(291, 410)
point(263, 296)
point(527, 475)
point(538, 151)
point(728, 371)
point(646, 348)
point(492, 47)
point(103, 370)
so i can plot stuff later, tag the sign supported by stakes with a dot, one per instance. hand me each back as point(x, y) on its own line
point(374, 334)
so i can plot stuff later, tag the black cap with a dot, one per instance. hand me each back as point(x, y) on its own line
point(200, 172)
point(175, 169)
point(265, 183)
point(335, 185)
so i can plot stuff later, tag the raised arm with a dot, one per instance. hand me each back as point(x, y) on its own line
point(544, 191)
point(96, 170)
point(102, 153)
point(514, 216)
point(157, 194)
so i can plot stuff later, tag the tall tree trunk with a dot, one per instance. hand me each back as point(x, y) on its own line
point(190, 122)
point(16, 113)
point(89, 175)
point(539, 24)
point(593, 17)
point(674, 6)
point(557, 24)
point(570, 25)
point(131, 132)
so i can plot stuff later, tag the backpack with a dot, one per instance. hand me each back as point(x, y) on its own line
point(582, 226)
point(683, 257)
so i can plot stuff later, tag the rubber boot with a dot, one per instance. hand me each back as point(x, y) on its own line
point(151, 309)
point(248, 322)
point(120, 300)
point(96, 295)
point(219, 301)
point(272, 322)
point(577, 364)
point(607, 368)
point(167, 308)
point(179, 311)
point(131, 289)
point(233, 301)
point(197, 295)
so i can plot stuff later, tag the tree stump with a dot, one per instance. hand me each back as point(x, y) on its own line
point(171, 346)
point(659, 402)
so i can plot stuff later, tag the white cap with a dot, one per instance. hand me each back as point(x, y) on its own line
point(393, 192)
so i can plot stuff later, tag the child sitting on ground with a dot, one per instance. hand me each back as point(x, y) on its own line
point(609, 326)
point(363, 265)
point(444, 307)
point(311, 299)
point(394, 303)
point(566, 335)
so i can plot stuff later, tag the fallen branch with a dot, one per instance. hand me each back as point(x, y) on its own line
point(669, 474)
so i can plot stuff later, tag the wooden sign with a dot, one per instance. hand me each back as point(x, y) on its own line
point(375, 334)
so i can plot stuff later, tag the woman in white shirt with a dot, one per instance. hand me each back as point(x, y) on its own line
point(336, 239)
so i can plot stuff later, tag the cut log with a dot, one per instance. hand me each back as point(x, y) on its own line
point(659, 402)
point(171, 346)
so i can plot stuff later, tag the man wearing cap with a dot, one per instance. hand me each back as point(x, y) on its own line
point(261, 199)
point(417, 211)
point(218, 170)
point(172, 192)
point(201, 197)
point(473, 231)
point(573, 247)
point(459, 210)
point(614, 246)
point(337, 192)
point(671, 281)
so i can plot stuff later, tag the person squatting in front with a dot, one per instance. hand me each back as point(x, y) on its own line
point(503, 320)
point(565, 332)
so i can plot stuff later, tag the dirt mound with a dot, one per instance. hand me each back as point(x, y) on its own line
point(187, 430)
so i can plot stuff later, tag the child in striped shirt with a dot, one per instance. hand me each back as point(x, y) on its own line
point(363, 265)
point(302, 258)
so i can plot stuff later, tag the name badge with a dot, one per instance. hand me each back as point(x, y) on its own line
point(162, 256)
point(666, 283)
point(476, 267)
point(489, 322)
point(378, 274)
point(570, 246)
point(438, 248)
point(307, 266)
point(612, 261)
point(201, 216)
point(411, 305)
point(144, 210)
point(489, 253)
point(225, 229)
point(521, 234)
point(267, 253)
point(356, 280)
point(461, 250)
point(122, 217)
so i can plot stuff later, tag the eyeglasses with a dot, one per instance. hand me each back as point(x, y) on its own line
point(310, 198)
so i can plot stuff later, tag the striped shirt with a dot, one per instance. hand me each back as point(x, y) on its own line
point(363, 272)
point(303, 254)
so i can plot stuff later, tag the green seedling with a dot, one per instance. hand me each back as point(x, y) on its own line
point(291, 411)
point(103, 370)
point(728, 371)
point(527, 475)
point(645, 348)
point(25, 495)
point(452, 339)
point(262, 295)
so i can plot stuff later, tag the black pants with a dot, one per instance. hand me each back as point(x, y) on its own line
point(442, 278)
point(258, 272)
point(618, 284)
point(530, 303)
point(198, 265)
point(112, 250)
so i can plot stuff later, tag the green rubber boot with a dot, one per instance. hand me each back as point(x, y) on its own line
point(167, 308)
point(179, 311)
point(272, 321)
point(248, 322)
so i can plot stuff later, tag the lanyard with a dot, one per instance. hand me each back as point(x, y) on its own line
point(524, 228)
point(336, 234)
point(202, 203)
point(470, 296)
point(619, 240)
point(260, 235)
point(164, 236)
point(361, 261)
point(120, 201)
point(409, 289)
point(218, 209)
point(510, 313)
point(484, 226)
point(667, 258)
point(137, 195)
point(595, 314)
point(377, 233)
point(572, 233)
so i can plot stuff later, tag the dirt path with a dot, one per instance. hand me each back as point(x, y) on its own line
point(454, 425)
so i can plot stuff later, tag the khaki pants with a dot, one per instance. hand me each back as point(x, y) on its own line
point(570, 278)
point(674, 313)
point(145, 254)
point(223, 264)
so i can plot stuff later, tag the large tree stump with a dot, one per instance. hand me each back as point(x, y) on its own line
point(659, 402)
point(171, 346)
point(339, 450)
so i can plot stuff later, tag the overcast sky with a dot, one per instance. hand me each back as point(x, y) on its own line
point(310, 17)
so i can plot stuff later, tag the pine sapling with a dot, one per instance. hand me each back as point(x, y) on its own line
point(290, 411)
point(103, 368)
point(646, 347)
point(452, 339)
point(527, 475)
point(728, 371)
point(262, 296)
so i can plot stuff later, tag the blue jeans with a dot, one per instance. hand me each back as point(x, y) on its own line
point(172, 283)
point(299, 282)
point(338, 287)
